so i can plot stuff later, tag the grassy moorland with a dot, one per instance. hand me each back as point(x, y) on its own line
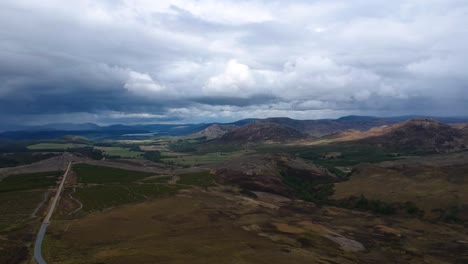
point(27, 181)
point(99, 174)
point(21, 197)
point(201, 179)
point(22, 158)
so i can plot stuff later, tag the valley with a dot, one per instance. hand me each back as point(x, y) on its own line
point(261, 192)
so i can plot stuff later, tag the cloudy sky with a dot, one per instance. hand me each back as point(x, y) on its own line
point(129, 61)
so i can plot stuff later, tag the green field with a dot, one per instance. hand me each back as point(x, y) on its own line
point(99, 174)
point(201, 179)
point(120, 152)
point(28, 181)
point(55, 146)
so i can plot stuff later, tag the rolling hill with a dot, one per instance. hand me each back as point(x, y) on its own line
point(214, 131)
point(260, 132)
point(415, 135)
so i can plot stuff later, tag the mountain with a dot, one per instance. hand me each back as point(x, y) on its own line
point(262, 132)
point(415, 135)
point(323, 127)
point(63, 127)
point(214, 131)
point(316, 128)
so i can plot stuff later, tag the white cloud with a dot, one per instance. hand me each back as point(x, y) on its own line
point(142, 84)
point(235, 81)
point(120, 56)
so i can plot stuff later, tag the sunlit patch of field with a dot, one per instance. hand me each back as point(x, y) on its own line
point(429, 187)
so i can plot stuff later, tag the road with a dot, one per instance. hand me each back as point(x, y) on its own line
point(40, 236)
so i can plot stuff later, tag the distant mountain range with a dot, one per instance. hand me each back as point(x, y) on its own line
point(315, 128)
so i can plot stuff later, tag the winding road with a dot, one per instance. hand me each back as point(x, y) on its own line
point(40, 236)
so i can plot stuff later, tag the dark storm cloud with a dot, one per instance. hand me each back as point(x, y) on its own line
point(144, 61)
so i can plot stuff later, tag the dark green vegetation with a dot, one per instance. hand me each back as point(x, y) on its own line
point(183, 146)
point(351, 154)
point(99, 174)
point(312, 189)
point(377, 206)
point(201, 179)
point(22, 158)
point(152, 155)
point(28, 181)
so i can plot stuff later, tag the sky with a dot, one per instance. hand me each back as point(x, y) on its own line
point(129, 61)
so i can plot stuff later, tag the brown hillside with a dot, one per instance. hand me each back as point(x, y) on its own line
point(258, 132)
point(214, 131)
point(417, 135)
point(265, 173)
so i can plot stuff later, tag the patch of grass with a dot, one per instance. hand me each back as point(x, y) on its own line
point(28, 181)
point(99, 174)
point(201, 179)
point(55, 146)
